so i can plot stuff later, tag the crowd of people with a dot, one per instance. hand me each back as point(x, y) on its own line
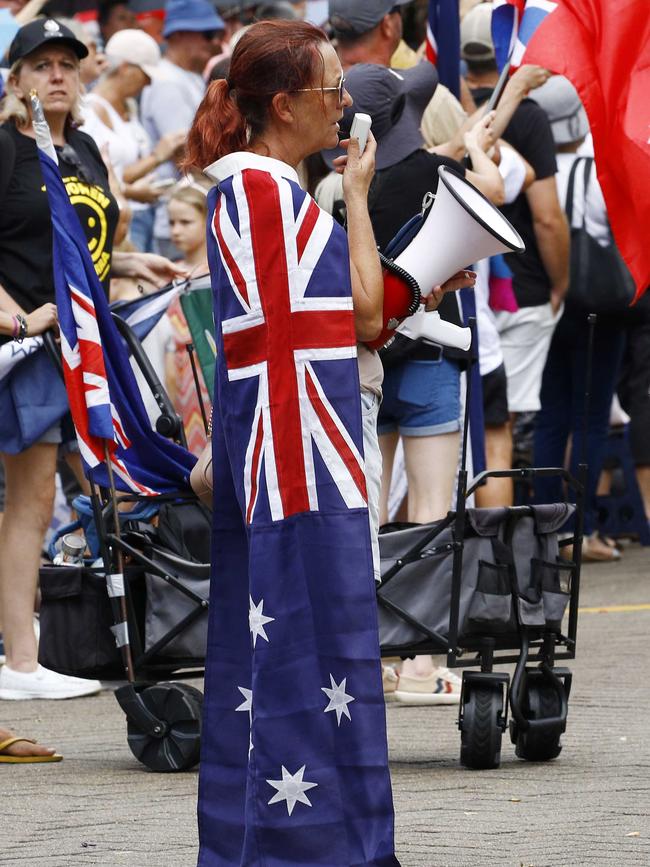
point(121, 90)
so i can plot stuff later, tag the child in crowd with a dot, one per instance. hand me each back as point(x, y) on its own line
point(187, 211)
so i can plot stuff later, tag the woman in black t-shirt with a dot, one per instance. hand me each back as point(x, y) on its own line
point(44, 57)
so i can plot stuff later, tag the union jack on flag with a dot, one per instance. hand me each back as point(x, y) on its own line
point(443, 42)
point(105, 403)
point(286, 327)
point(513, 24)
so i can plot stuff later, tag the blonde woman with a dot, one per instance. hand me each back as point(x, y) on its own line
point(44, 56)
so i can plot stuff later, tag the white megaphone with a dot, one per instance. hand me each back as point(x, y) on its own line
point(461, 227)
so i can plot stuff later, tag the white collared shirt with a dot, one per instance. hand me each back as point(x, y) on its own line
point(235, 163)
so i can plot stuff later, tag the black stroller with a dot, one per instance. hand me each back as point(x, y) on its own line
point(138, 606)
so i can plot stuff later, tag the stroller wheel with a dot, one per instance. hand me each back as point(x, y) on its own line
point(482, 726)
point(540, 701)
point(178, 708)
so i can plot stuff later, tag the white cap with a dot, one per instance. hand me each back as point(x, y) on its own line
point(137, 47)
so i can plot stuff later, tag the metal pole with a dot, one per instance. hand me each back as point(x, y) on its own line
point(119, 591)
point(197, 385)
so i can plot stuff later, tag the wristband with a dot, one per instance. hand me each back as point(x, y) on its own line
point(15, 327)
point(22, 330)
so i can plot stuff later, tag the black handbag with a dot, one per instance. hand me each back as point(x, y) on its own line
point(599, 279)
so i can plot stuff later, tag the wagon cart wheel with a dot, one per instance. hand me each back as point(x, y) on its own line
point(174, 743)
point(482, 726)
point(540, 701)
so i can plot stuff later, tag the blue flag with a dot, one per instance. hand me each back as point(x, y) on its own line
point(105, 402)
point(443, 42)
point(294, 766)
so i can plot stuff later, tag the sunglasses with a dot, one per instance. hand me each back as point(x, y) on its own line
point(69, 155)
point(339, 89)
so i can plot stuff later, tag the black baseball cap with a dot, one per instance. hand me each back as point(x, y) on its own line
point(39, 32)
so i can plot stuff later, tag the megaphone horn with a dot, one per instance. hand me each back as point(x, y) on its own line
point(462, 227)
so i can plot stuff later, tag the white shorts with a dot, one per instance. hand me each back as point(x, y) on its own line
point(525, 341)
point(369, 411)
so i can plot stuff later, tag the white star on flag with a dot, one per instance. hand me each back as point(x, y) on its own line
point(339, 699)
point(247, 705)
point(257, 620)
point(291, 789)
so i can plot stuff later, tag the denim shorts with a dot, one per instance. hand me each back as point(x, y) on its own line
point(421, 398)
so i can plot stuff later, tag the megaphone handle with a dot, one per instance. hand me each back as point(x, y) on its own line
point(471, 361)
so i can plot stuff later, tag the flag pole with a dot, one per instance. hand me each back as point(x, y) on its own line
point(197, 385)
point(500, 86)
point(115, 582)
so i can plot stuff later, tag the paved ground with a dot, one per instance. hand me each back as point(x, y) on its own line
point(589, 807)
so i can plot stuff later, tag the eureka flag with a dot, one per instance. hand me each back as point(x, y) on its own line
point(105, 403)
point(294, 765)
point(603, 48)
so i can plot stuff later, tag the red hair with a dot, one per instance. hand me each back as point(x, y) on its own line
point(271, 57)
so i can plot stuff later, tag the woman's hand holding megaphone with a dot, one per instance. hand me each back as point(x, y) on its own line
point(460, 280)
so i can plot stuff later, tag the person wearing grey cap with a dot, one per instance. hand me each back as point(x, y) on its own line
point(193, 31)
point(560, 419)
point(371, 26)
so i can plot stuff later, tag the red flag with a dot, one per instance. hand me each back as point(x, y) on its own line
point(603, 48)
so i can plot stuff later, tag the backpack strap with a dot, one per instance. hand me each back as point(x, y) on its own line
point(568, 204)
point(7, 161)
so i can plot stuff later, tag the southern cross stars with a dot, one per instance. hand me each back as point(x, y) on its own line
point(257, 620)
point(291, 789)
point(339, 699)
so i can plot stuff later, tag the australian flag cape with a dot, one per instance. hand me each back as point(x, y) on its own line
point(294, 765)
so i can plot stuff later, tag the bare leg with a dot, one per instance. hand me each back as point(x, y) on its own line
point(73, 460)
point(498, 455)
point(431, 464)
point(388, 447)
point(29, 478)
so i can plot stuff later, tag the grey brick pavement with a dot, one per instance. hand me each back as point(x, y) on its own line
point(589, 807)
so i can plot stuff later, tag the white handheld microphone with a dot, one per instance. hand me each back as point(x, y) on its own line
point(361, 124)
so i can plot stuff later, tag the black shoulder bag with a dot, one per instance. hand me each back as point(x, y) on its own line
point(599, 280)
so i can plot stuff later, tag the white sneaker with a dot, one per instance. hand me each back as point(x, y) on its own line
point(440, 687)
point(43, 683)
